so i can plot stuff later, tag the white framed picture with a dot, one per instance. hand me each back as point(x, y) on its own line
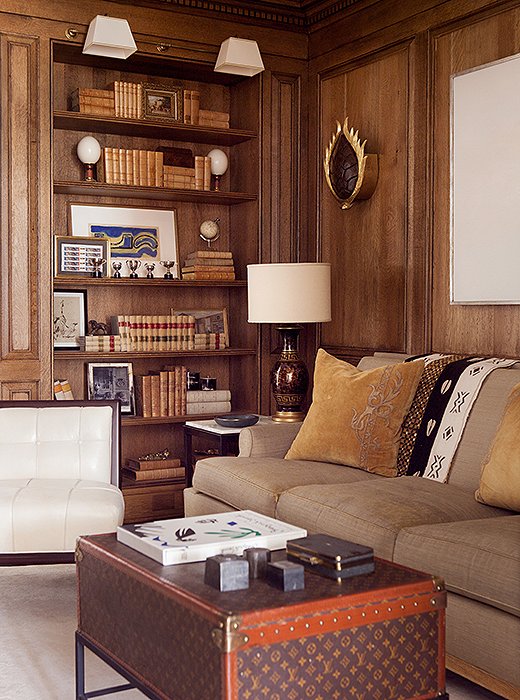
point(69, 318)
point(139, 238)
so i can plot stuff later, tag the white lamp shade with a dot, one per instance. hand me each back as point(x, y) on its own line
point(288, 293)
point(109, 36)
point(219, 161)
point(240, 57)
point(88, 150)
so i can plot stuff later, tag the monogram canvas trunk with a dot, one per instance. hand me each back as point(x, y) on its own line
point(377, 636)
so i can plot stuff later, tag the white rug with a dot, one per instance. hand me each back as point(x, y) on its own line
point(37, 624)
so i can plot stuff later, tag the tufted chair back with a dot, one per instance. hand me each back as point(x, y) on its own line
point(59, 440)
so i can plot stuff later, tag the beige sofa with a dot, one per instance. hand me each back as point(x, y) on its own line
point(432, 526)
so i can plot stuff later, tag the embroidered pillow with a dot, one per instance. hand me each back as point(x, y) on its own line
point(500, 477)
point(355, 417)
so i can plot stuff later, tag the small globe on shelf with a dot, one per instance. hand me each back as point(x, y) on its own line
point(210, 231)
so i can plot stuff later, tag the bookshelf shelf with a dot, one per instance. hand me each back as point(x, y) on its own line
point(75, 282)
point(77, 121)
point(98, 189)
point(80, 355)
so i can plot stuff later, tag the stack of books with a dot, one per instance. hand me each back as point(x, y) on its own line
point(178, 177)
point(162, 393)
point(62, 390)
point(100, 343)
point(209, 341)
point(91, 101)
point(204, 401)
point(127, 166)
point(216, 120)
point(209, 265)
point(153, 469)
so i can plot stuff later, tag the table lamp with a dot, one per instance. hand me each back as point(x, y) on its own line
point(89, 152)
point(289, 294)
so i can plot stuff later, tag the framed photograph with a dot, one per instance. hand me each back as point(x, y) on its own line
point(112, 381)
point(163, 103)
point(208, 321)
point(74, 257)
point(69, 318)
point(135, 236)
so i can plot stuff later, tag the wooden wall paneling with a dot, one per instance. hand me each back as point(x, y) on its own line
point(458, 47)
point(366, 245)
point(283, 181)
point(24, 244)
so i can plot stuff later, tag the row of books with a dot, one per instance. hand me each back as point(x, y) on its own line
point(124, 99)
point(62, 390)
point(130, 166)
point(162, 333)
point(162, 393)
point(199, 266)
point(153, 470)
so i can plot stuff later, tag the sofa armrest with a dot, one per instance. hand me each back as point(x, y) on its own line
point(267, 439)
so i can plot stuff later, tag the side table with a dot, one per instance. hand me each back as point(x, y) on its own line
point(225, 441)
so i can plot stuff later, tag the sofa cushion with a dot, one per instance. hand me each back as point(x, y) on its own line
point(256, 483)
point(478, 559)
point(356, 417)
point(48, 515)
point(373, 512)
point(500, 478)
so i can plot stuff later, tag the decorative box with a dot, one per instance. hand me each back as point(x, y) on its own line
point(330, 556)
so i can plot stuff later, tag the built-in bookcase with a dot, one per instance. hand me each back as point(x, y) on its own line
point(235, 205)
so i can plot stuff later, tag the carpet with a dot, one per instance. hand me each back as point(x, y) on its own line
point(37, 624)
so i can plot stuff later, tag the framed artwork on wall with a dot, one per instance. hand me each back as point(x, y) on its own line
point(69, 318)
point(136, 237)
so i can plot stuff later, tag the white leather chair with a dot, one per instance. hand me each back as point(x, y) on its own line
point(59, 476)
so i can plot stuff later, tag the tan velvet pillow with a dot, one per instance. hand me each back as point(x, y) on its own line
point(355, 417)
point(500, 477)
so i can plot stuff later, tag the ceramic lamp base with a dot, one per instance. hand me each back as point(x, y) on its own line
point(289, 378)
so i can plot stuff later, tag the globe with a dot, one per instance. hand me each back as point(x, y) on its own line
point(209, 230)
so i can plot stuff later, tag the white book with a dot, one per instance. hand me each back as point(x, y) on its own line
point(207, 407)
point(183, 540)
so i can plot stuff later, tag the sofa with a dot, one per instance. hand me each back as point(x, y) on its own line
point(429, 525)
point(59, 475)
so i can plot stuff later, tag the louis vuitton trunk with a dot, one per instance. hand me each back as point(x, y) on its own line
point(378, 636)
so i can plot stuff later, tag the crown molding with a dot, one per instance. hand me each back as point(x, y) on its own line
point(299, 15)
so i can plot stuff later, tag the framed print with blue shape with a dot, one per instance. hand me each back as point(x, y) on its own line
point(137, 237)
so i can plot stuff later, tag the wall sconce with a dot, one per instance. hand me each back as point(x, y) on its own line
point(240, 57)
point(110, 37)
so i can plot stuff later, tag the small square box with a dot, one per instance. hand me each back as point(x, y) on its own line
point(286, 575)
point(331, 557)
point(227, 572)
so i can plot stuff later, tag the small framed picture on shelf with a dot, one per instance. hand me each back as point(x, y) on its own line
point(208, 321)
point(109, 381)
point(139, 239)
point(81, 257)
point(69, 318)
point(163, 103)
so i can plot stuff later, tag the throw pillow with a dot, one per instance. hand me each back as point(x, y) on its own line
point(500, 477)
point(355, 417)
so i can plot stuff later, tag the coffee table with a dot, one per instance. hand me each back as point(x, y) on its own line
point(375, 637)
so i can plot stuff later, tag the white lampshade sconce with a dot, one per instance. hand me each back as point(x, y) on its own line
point(219, 165)
point(89, 152)
point(239, 57)
point(110, 37)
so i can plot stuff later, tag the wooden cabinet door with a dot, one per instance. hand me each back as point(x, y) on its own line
point(25, 177)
